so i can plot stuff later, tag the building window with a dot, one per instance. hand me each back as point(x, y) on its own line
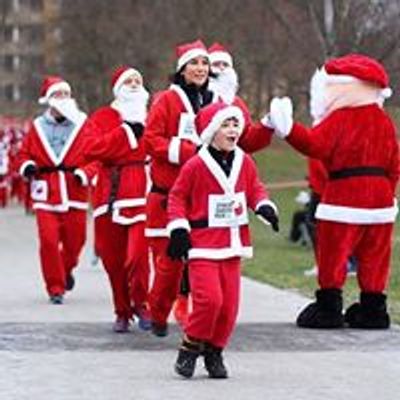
point(12, 93)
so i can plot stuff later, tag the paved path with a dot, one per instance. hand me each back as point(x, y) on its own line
point(68, 352)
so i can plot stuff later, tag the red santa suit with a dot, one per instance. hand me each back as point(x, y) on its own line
point(4, 170)
point(119, 206)
point(59, 200)
point(211, 202)
point(356, 142)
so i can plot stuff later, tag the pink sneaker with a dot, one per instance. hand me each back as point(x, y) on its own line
point(121, 325)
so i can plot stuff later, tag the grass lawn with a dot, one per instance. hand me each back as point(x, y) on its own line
point(282, 263)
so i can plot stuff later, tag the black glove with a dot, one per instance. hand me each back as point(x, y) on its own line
point(179, 244)
point(137, 128)
point(268, 214)
point(30, 171)
point(79, 179)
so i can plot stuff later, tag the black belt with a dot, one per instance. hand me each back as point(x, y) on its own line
point(61, 167)
point(357, 171)
point(159, 190)
point(198, 223)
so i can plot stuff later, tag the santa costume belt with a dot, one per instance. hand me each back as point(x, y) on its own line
point(61, 167)
point(198, 223)
point(357, 171)
point(159, 190)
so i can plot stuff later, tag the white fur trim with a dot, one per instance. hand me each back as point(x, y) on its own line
point(24, 165)
point(217, 120)
point(267, 202)
point(156, 232)
point(220, 254)
point(173, 150)
point(61, 207)
point(122, 77)
point(353, 215)
point(178, 223)
point(386, 93)
point(183, 97)
point(52, 89)
point(100, 210)
point(136, 202)
point(266, 121)
point(120, 219)
point(216, 56)
point(189, 55)
point(131, 136)
point(82, 175)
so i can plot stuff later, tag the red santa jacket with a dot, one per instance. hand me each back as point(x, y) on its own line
point(121, 180)
point(55, 188)
point(359, 150)
point(317, 175)
point(205, 197)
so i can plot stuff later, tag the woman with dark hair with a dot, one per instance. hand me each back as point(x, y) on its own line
point(171, 139)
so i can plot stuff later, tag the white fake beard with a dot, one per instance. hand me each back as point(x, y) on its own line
point(132, 103)
point(225, 85)
point(318, 107)
point(68, 108)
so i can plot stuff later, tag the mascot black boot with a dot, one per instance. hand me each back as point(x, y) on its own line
point(214, 362)
point(369, 313)
point(325, 313)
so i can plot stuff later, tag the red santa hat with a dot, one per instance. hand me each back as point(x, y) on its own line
point(50, 85)
point(217, 52)
point(120, 75)
point(353, 67)
point(210, 118)
point(188, 51)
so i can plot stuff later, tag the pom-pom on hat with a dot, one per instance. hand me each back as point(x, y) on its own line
point(217, 52)
point(188, 51)
point(50, 85)
point(120, 74)
point(210, 118)
point(354, 67)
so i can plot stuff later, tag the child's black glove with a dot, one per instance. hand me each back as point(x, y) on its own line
point(30, 171)
point(179, 244)
point(137, 128)
point(268, 215)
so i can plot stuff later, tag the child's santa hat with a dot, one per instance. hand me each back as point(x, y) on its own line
point(120, 75)
point(50, 85)
point(188, 51)
point(210, 118)
point(217, 52)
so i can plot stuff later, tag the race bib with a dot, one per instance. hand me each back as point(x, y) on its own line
point(3, 165)
point(39, 190)
point(187, 129)
point(227, 210)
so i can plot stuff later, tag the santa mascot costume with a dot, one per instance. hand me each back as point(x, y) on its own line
point(356, 141)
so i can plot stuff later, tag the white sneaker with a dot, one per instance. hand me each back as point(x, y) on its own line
point(312, 271)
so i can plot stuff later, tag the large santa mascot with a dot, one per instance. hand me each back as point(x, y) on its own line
point(356, 141)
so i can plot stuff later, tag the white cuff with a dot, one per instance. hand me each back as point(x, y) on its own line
point(82, 175)
point(266, 121)
point(173, 150)
point(267, 202)
point(178, 223)
point(24, 165)
point(131, 136)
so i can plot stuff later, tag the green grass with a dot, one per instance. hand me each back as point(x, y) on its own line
point(282, 263)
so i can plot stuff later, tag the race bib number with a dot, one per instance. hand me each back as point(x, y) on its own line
point(226, 210)
point(39, 190)
point(187, 129)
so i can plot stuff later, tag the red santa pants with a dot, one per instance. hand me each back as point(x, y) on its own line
point(124, 252)
point(3, 194)
point(167, 278)
point(370, 244)
point(215, 292)
point(61, 238)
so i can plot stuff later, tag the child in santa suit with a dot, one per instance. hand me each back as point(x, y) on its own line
point(119, 196)
point(356, 141)
point(208, 225)
point(50, 156)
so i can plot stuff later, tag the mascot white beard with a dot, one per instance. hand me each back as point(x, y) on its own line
point(131, 103)
point(225, 85)
point(68, 108)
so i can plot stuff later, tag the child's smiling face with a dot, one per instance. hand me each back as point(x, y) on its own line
point(227, 135)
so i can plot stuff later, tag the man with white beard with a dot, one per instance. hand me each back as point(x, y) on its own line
point(120, 195)
point(50, 155)
point(225, 84)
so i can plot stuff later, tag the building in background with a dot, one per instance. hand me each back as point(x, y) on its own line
point(28, 43)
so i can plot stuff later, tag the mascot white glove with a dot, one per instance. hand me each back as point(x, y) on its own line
point(281, 116)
